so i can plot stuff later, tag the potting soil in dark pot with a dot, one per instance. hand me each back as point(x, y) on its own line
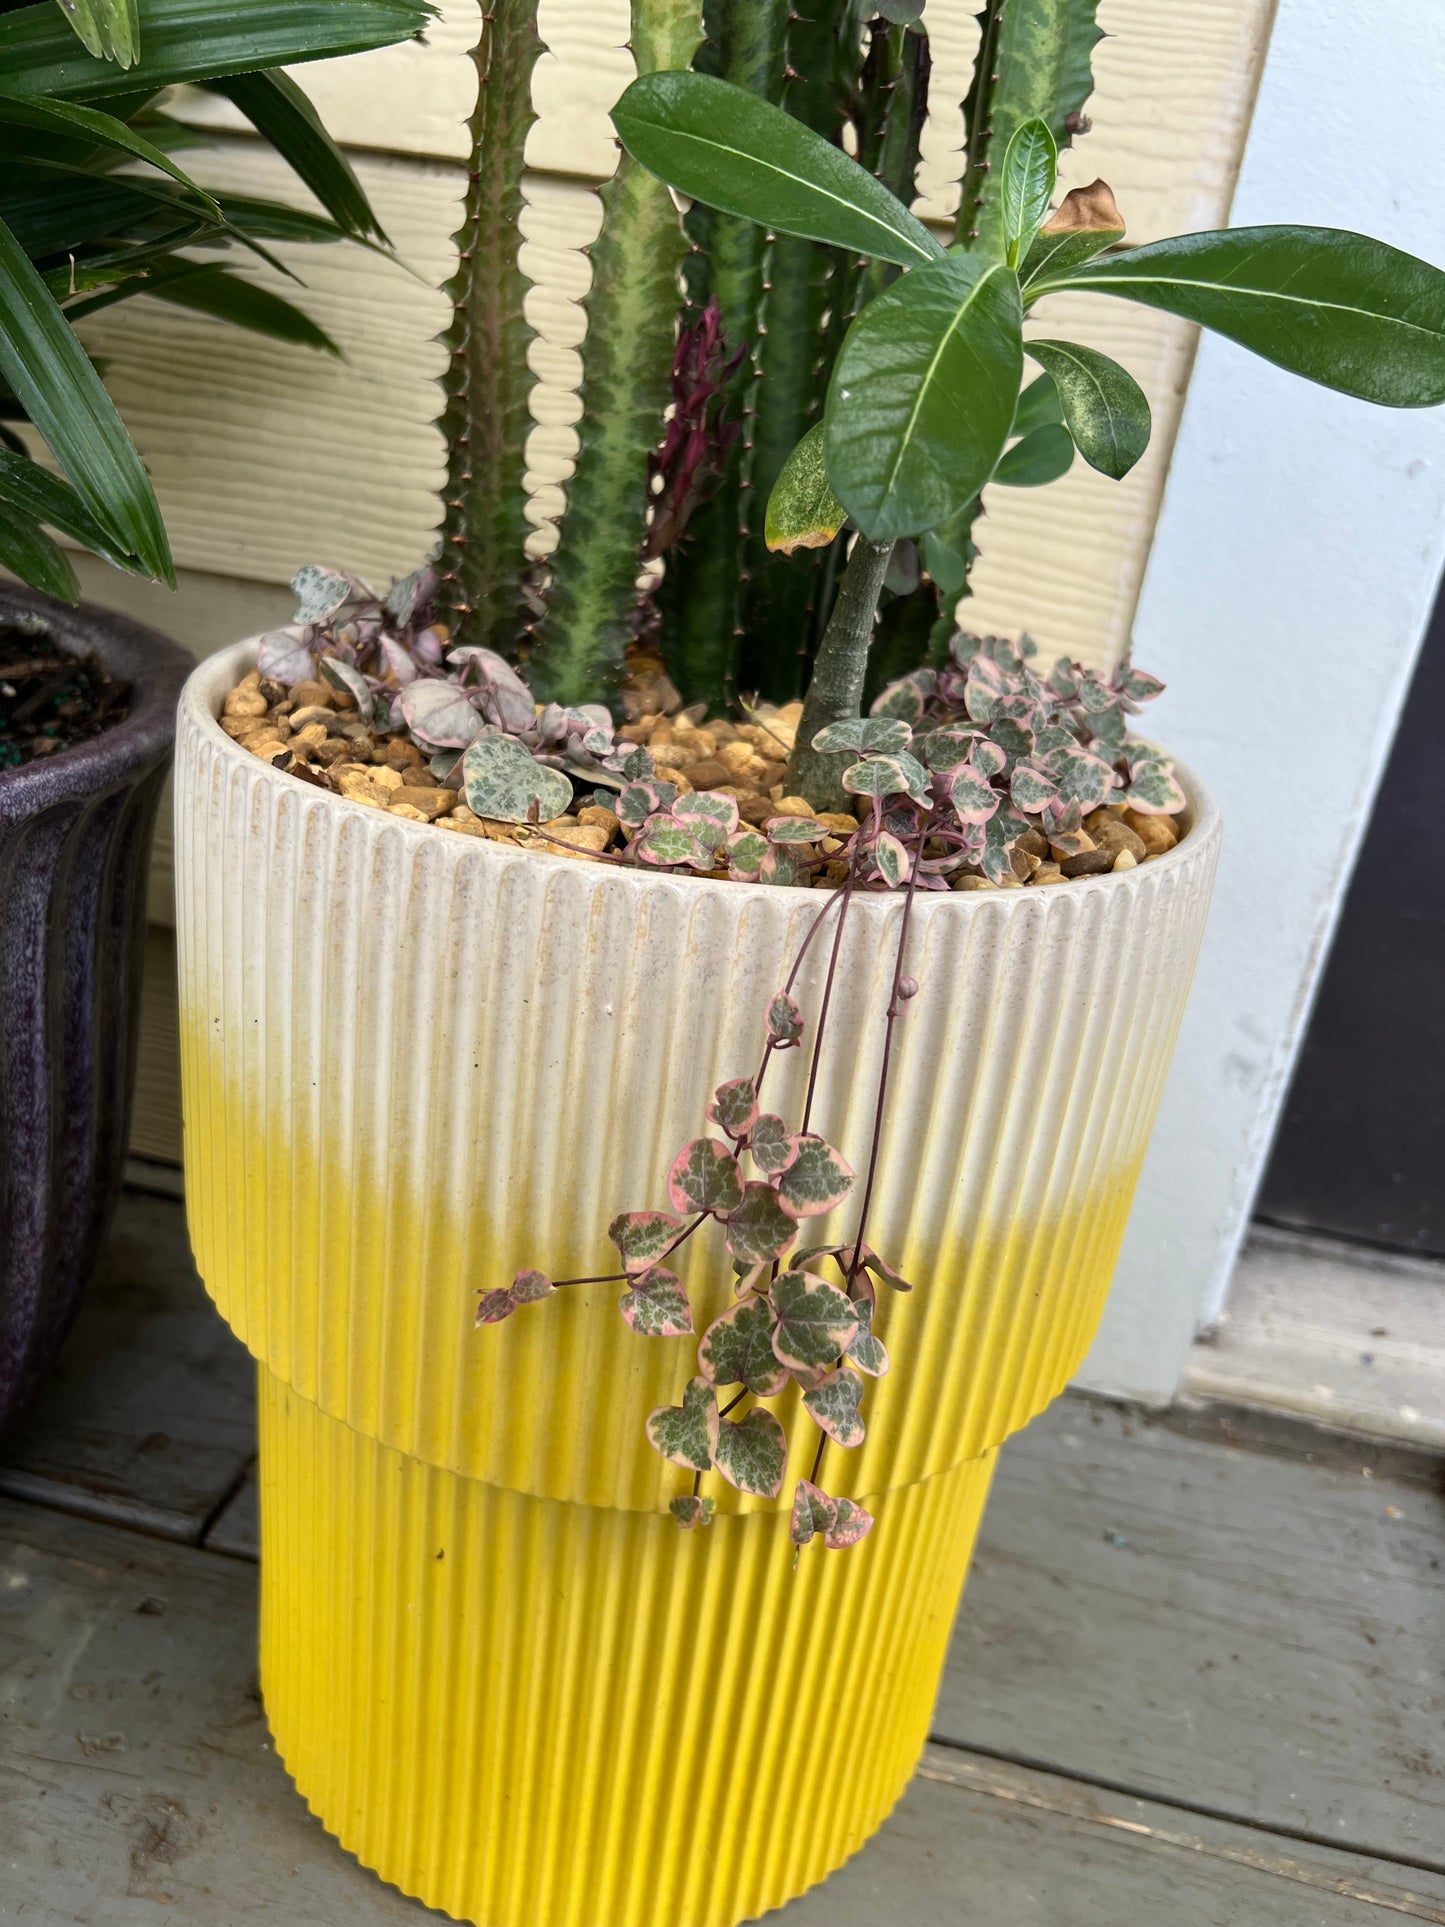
point(87, 717)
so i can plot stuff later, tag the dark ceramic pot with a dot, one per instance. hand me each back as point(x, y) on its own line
point(75, 838)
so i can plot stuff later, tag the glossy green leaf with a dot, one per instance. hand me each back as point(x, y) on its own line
point(108, 29)
point(1106, 410)
point(50, 375)
point(923, 395)
point(1038, 405)
point(215, 291)
point(726, 147)
point(281, 114)
point(1029, 168)
point(1337, 308)
point(43, 497)
point(70, 121)
point(1040, 457)
point(27, 551)
point(197, 40)
point(803, 512)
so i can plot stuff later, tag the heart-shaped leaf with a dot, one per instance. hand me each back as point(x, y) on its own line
point(1154, 791)
point(818, 1179)
point(737, 1349)
point(759, 1230)
point(342, 676)
point(894, 864)
point(668, 844)
point(319, 593)
point(1081, 778)
point(705, 1177)
point(505, 783)
point(494, 1306)
point(1106, 410)
point(735, 1106)
point(834, 1404)
point(530, 1287)
point(711, 816)
point(439, 714)
point(796, 829)
point(863, 735)
point(725, 146)
point(283, 658)
point(746, 853)
point(813, 1512)
point(772, 1145)
point(785, 1020)
point(1031, 789)
point(691, 1511)
point(657, 1306)
point(642, 1237)
point(752, 1453)
point(780, 867)
point(867, 1352)
point(686, 1434)
point(974, 797)
point(851, 1523)
point(1000, 833)
point(803, 512)
point(503, 695)
point(923, 394)
point(638, 801)
point(816, 1321)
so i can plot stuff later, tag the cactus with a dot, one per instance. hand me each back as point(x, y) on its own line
point(486, 418)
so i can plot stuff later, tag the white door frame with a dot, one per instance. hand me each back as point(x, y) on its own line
point(1295, 562)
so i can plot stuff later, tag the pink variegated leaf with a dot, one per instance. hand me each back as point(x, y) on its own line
point(399, 661)
point(772, 1145)
point(705, 1177)
point(781, 867)
point(737, 1349)
point(1153, 788)
point(1081, 778)
point(813, 1513)
point(880, 1267)
point(735, 1106)
point(817, 1180)
point(642, 1237)
point(284, 658)
point(657, 1306)
point(973, 796)
point(1136, 685)
point(711, 816)
point(816, 1258)
point(1067, 843)
point(834, 1405)
point(666, 844)
point(342, 676)
point(639, 802)
point(867, 1352)
point(690, 1511)
point(816, 1321)
point(785, 1021)
point(1030, 789)
point(530, 1287)
point(759, 1230)
point(752, 1453)
point(796, 829)
point(943, 749)
point(686, 1434)
point(851, 1524)
point(494, 1306)
point(751, 1278)
point(891, 857)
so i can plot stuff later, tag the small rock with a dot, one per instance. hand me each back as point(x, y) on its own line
point(596, 816)
point(311, 736)
point(246, 699)
point(1010, 882)
point(580, 840)
point(1109, 833)
point(269, 751)
point(1023, 862)
point(1034, 842)
point(709, 773)
point(313, 691)
point(360, 786)
point(1041, 876)
point(838, 820)
point(334, 750)
point(468, 826)
point(322, 713)
point(412, 814)
point(402, 755)
point(388, 778)
point(755, 808)
point(1088, 863)
point(1156, 833)
point(432, 803)
point(738, 756)
point(676, 755)
point(973, 883)
point(722, 732)
point(1067, 843)
point(1126, 860)
point(660, 733)
point(796, 806)
point(238, 726)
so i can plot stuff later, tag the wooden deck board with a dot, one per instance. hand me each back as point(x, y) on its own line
point(1257, 1636)
point(138, 1786)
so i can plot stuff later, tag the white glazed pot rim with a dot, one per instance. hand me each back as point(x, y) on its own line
point(212, 680)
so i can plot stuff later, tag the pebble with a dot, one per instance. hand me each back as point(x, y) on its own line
point(311, 737)
point(1111, 834)
point(838, 820)
point(583, 840)
point(1126, 860)
point(1042, 876)
point(1024, 861)
point(596, 816)
point(755, 808)
point(432, 803)
point(1088, 863)
point(1156, 833)
point(467, 827)
point(796, 806)
point(411, 814)
point(304, 713)
point(973, 883)
point(709, 773)
point(321, 694)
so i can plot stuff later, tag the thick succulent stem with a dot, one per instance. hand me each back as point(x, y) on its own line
point(486, 419)
point(627, 360)
point(1034, 59)
point(839, 670)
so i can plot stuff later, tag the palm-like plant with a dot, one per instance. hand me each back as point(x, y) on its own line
point(95, 208)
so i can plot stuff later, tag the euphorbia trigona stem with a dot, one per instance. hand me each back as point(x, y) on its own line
point(836, 691)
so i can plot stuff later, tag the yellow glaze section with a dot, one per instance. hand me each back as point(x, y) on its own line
point(533, 1714)
point(362, 1299)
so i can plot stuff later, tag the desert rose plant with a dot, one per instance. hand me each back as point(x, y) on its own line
point(795, 398)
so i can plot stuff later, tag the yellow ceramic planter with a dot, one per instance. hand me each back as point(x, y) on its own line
point(414, 1063)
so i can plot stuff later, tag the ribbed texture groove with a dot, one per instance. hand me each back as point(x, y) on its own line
point(529, 1713)
point(414, 1062)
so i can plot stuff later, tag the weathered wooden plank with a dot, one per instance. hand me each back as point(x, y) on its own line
point(137, 1784)
point(147, 1417)
point(1253, 1635)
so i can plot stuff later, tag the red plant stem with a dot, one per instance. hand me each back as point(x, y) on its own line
point(818, 1457)
point(617, 1277)
point(732, 1402)
point(606, 1278)
point(834, 899)
point(892, 1017)
point(846, 893)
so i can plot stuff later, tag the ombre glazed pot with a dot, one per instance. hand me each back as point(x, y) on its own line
point(415, 1062)
point(75, 838)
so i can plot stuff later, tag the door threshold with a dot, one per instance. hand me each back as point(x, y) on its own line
point(1340, 1334)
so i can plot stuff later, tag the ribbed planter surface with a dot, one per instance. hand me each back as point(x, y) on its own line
point(75, 837)
point(414, 1062)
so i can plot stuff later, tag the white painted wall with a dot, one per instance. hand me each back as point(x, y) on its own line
point(1294, 565)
